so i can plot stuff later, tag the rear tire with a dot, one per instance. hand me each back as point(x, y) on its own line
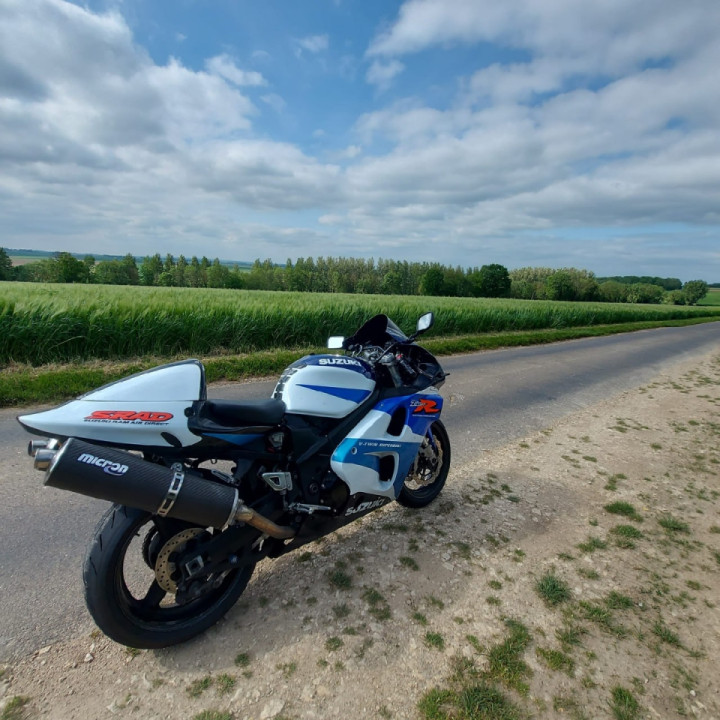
point(429, 471)
point(125, 599)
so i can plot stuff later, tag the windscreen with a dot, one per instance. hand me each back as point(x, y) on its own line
point(377, 331)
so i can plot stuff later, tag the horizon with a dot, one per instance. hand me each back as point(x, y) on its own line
point(17, 252)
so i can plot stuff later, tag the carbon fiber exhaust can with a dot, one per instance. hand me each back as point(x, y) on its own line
point(120, 477)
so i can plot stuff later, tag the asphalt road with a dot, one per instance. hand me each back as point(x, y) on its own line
point(492, 398)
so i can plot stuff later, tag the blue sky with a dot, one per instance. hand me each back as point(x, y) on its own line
point(560, 133)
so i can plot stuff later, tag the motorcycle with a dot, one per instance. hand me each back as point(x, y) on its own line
point(341, 436)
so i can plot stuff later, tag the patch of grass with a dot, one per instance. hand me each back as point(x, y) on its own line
point(552, 589)
point(627, 531)
point(625, 509)
point(224, 684)
point(589, 574)
point(618, 601)
point(570, 636)
point(495, 584)
point(340, 579)
point(213, 715)
point(624, 706)
point(197, 687)
point(661, 630)
point(493, 600)
point(505, 663)
point(242, 659)
point(463, 550)
point(334, 643)
point(15, 708)
point(378, 606)
point(592, 544)
point(435, 641)
point(673, 524)
point(287, 669)
point(569, 707)
point(611, 483)
point(409, 562)
point(602, 615)
point(434, 602)
point(419, 618)
point(305, 557)
point(557, 660)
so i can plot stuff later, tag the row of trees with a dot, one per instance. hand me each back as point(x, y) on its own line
point(357, 275)
point(573, 284)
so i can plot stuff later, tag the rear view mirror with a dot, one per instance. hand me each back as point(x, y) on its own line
point(335, 342)
point(425, 322)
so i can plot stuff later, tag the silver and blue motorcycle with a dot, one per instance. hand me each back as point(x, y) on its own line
point(203, 489)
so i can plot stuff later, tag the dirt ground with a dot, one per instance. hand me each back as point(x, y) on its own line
point(368, 622)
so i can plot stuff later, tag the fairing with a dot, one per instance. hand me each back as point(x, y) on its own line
point(357, 459)
point(329, 386)
point(147, 409)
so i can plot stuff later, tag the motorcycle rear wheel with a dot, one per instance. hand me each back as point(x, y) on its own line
point(429, 472)
point(125, 599)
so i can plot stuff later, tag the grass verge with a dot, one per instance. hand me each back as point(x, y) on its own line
point(22, 385)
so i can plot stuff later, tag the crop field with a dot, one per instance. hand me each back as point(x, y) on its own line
point(712, 298)
point(42, 324)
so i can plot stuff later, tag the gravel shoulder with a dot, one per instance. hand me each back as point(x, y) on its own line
point(408, 607)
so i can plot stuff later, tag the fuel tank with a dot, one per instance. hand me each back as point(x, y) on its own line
point(147, 409)
point(325, 385)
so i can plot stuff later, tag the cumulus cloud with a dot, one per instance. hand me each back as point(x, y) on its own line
point(382, 74)
point(112, 140)
point(225, 67)
point(314, 43)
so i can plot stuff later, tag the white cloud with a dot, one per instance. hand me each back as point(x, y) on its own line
point(382, 74)
point(611, 122)
point(314, 43)
point(225, 67)
point(274, 101)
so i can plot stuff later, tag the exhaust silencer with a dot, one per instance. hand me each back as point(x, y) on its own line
point(109, 474)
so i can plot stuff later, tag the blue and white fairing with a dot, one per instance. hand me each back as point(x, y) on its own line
point(357, 459)
point(329, 386)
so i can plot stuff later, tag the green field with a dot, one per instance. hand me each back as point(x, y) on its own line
point(712, 298)
point(42, 324)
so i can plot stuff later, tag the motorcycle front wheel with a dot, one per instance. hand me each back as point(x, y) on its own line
point(429, 472)
point(124, 596)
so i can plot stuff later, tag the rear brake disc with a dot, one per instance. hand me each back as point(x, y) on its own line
point(164, 567)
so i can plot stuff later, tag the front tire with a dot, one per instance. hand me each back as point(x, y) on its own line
point(429, 472)
point(123, 595)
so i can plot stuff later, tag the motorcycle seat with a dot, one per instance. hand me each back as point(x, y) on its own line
point(236, 414)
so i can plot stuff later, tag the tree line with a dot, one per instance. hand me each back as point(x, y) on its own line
point(358, 275)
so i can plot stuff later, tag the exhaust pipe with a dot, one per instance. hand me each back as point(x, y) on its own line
point(115, 475)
